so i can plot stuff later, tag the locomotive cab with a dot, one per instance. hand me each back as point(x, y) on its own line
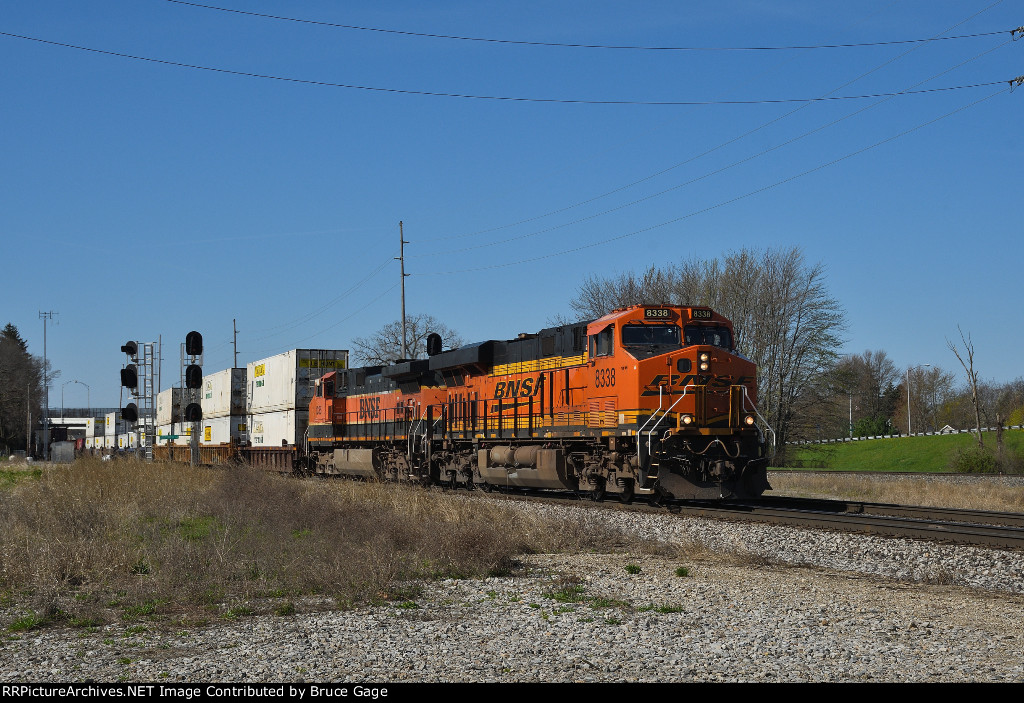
point(695, 418)
point(327, 408)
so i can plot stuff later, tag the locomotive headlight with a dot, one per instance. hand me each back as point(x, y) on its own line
point(704, 366)
point(705, 361)
point(705, 357)
point(748, 420)
point(687, 419)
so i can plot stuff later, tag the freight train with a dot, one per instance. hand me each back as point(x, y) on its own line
point(648, 400)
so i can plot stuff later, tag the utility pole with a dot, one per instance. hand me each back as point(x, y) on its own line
point(234, 330)
point(44, 316)
point(401, 257)
point(28, 420)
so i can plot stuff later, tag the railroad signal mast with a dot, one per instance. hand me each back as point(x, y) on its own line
point(139, 376)
point(191, 387)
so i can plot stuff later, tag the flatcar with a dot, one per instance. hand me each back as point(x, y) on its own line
point(648, 400)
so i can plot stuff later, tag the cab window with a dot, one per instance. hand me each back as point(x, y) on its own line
point(650, 335)
point(710, 334)
point(601, 344)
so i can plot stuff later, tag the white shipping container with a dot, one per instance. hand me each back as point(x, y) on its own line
point(168, 406)
point(279, 428)
point(224, 429)
point(224, 393)
point(285, 381)
point(113, 425)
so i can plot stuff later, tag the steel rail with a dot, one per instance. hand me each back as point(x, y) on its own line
point(917, 512)
point(925, 526)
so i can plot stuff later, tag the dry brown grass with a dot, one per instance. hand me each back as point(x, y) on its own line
point(96, 540)
point(910, 490)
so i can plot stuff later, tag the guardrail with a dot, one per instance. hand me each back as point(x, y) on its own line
point(840, 440)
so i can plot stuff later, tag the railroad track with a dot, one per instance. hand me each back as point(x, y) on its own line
point(952, 526)
point(968, 527)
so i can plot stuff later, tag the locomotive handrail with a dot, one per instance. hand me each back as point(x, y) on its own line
point(655, 426)
point(759, 415)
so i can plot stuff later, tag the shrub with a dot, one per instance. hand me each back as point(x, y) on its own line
point(973, 460)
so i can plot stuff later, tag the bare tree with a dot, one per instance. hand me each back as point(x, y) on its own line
point(972, 377)
point(385, 345)
point(931, 389)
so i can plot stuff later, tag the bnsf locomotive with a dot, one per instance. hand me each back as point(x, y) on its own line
point(643, 401)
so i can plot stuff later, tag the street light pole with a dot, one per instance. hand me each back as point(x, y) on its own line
point(909, 369)
point(88, 399)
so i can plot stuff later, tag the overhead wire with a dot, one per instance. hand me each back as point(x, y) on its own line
point(708, 174)
point(363, 281)
point(570, 45)
point(468, 96)
point(734, 139)
point(723, 203)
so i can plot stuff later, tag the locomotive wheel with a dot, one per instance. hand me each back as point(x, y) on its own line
point(597, 493)
point(627, 493)
point(453, 482)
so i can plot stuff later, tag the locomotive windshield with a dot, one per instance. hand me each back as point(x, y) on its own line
point(699, 334)
point(635, 335)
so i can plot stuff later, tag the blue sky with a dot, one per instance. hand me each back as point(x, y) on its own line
point(142, 199)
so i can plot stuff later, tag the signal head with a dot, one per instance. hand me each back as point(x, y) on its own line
point(130, 377)
point(193, 343)
point(130, 413)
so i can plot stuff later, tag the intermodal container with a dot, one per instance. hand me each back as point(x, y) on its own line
point(280, 428)
point(224, 393)
point(226, 429)
point(285, 382)
point(168, 406)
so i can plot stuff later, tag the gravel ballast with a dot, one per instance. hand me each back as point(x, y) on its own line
point(784, 604)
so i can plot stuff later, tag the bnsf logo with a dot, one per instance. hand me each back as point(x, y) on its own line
point(369, 408)
point(518, 389)
point(692, 379)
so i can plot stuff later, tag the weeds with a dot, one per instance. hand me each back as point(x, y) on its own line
point(29, 621)
point(140, 538)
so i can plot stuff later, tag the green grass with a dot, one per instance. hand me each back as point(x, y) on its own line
point(9, 478)
point(912, 454)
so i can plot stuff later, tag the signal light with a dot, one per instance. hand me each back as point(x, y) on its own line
point(193, 412)
point(131, 349)
point(130, 413)
point(130, 376)
point(193, 344)
point(193, 376)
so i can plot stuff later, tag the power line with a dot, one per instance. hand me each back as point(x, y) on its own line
point(629, 47)
point(723, 203)
point(506, 98)
point(740, 137)
point(696, 179)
